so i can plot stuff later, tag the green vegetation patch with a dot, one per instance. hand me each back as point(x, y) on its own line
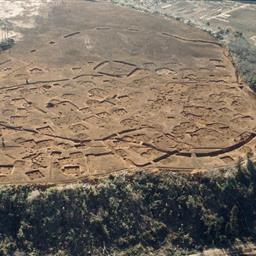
point(143, 214)
point(244, 55)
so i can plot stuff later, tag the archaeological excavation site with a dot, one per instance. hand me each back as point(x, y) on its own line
point(95, 89)
point(127, 128)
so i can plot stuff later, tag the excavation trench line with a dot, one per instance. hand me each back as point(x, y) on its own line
point(167, 153)
point(190, 40)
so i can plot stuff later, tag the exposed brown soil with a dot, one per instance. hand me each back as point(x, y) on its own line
point(97, 88)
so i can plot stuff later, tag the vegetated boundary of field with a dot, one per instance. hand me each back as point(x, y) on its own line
point(244, 56)
point(138, 214)
point(242, 52)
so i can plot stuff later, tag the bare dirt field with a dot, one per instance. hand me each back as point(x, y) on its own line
point(96, 88)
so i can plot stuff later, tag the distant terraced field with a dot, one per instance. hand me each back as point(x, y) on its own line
point(95, 89)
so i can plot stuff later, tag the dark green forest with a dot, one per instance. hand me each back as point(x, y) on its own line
point(131, 214)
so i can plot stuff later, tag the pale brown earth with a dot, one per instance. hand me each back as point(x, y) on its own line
point(95, 88)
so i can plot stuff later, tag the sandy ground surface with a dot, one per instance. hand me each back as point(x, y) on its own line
point(96, 88)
